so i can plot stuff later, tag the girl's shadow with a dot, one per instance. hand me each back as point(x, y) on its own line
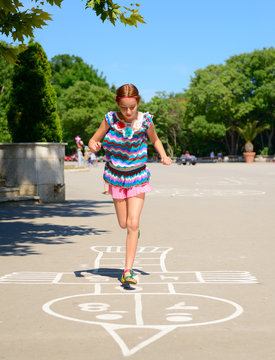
point(108, 273)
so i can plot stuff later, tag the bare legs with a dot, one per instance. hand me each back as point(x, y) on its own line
point(128, 214)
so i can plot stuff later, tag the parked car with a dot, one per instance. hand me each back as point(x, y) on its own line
point(187, 160)
point(101, 158)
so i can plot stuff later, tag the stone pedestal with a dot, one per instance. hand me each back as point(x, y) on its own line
point(36, 168)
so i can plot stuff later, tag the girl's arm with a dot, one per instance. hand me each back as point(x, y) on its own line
point(94, 143)
point(151, 132)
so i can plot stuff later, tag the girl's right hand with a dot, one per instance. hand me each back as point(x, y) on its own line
point(94, 146)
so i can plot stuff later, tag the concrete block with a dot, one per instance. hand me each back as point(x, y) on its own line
point(36, 168)
point(27, 190)
point(48, 193)
point(26, 171)
point(9, 172)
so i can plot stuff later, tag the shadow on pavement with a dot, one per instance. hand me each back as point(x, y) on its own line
point(109, 273)
point(73, 208)
point(17, 236)
point(106, 272)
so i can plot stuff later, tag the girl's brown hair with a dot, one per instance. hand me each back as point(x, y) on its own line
point(126, 91)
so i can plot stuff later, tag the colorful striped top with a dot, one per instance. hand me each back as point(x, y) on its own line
point(126, 144)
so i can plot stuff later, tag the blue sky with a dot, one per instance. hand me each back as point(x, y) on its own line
point(178, 38)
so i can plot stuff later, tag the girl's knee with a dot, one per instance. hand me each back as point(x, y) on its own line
point(132, 224)
point(123, 224)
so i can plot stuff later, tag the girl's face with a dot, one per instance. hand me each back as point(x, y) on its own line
point(128, 108)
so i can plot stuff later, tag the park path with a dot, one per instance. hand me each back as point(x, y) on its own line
point(205, 267)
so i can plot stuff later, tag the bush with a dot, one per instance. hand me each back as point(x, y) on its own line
point(32, 114)
point(265, 151)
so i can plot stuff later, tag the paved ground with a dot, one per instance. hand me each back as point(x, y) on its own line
point(205, 265)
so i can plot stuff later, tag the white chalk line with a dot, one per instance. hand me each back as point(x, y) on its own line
point(232, 277)
point(125, 349)
point(168, 278)
point(138, 310)
point(206, 277)
point(238, 310)
point(163, 329)
point(162, 260)
point(220, 181)
point(120, 249)
point(201, 192)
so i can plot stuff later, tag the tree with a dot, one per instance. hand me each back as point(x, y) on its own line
point(231, 94)
point(249, 132)
point(82, 108)
point(168, 120)
point(32, 115)
point(259, 68)
point(204, 136)
point(217, 93)
point(18, 22)
point(5, 88)
point(67, 69)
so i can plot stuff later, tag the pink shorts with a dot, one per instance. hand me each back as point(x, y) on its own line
point(122, 193)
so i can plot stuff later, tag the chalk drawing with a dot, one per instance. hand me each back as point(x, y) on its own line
point(222, 181)
point(104, 276)
point(159, 311)
point(202, 192)
point(154, 308)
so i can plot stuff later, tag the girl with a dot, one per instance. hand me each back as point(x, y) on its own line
point(125, 144)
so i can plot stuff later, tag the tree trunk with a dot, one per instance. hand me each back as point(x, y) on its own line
point(248, 148)
point(169, 147)
point(174, 139)
point(227, 144)
point(237, 144)
point(231, 142)
point(262, 140)
point(270, 137)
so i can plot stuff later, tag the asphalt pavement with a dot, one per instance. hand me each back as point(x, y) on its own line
point(205, 265)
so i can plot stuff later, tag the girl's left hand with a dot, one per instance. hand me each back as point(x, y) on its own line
point(166, 160)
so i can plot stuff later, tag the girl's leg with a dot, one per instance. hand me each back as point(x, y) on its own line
point(121, 212)
point(106, 188)
point(128, 214)
point(134, 207)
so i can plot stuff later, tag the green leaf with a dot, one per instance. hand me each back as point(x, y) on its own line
point(8, 53)
point(108, 10)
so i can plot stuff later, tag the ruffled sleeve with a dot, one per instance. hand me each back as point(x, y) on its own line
point(147, 120)
point(110, 118)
